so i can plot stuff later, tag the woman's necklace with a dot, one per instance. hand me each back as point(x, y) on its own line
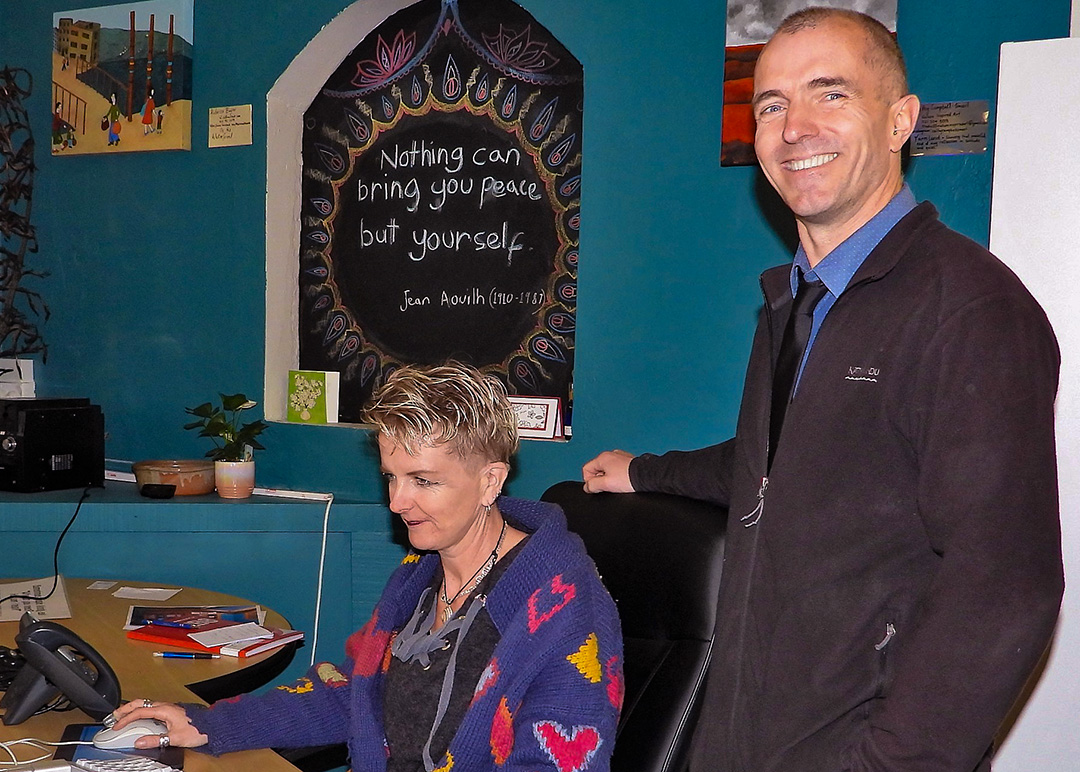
point(474, 582)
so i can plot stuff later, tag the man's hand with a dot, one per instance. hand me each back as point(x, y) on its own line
point(609, 472)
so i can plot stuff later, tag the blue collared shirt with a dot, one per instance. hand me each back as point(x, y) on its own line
point(838, 267)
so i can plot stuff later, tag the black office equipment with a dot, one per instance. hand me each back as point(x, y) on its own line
point(58, 662)
point(51, 444)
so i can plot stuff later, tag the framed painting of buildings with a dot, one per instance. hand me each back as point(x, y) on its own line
point(121, 78)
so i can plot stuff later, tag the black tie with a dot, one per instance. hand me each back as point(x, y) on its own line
point(792, 348)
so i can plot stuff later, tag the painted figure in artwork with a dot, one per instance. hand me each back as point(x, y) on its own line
point(113, 119)
point(63, 135)
point(148, 114)
point(57, 125)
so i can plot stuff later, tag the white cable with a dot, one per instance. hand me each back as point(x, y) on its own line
point(33, 742)
point(310, 496)
point(285, 494)
point(319, 583)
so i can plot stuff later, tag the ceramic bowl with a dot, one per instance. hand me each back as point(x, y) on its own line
point(191, 478)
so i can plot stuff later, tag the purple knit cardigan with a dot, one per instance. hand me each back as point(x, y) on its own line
point(548, 700)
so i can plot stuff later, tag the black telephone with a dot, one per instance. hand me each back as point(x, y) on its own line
point(58, 662)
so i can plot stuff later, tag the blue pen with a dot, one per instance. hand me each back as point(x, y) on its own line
point(186, 655)
point(166, 623)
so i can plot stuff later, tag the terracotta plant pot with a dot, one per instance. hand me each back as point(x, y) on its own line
point(234, 479)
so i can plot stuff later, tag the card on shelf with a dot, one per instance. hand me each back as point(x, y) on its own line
point(313, 396)
point(538, 418)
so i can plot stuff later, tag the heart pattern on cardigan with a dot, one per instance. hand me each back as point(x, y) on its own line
point(366, 647)
point(487, 679)
point(502, 733)
point(558, 589)
point(570, 751)
point(616, 685)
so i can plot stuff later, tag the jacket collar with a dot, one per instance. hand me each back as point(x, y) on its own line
point(775, 282)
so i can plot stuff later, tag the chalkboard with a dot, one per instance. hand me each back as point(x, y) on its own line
point(441, 203)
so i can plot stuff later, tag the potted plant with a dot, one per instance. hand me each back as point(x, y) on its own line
point(234, 443)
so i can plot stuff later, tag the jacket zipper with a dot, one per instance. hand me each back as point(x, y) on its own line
point(890, 631)
point(751, 519)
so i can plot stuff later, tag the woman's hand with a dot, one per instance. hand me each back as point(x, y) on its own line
point(181, 732)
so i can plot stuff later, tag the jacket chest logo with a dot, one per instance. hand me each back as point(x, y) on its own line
point(869, 374)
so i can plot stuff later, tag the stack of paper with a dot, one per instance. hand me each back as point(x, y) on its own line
point(234, 631)
point(30, 596)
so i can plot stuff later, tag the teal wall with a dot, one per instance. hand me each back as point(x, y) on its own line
point(157, 260)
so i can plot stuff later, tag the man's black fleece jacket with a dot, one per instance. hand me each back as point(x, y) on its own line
point(885, 599)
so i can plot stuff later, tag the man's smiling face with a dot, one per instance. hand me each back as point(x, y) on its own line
point(825, 136)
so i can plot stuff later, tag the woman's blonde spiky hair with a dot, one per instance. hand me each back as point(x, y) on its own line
point(424, 405)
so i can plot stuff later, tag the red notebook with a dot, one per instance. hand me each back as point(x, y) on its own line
point(243, 649)
point(176, 636)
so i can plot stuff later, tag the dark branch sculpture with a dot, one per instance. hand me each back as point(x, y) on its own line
point(19, 306)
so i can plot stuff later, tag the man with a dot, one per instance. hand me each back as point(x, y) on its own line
point(893, 568)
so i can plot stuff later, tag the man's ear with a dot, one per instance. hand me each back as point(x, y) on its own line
point(905, 114)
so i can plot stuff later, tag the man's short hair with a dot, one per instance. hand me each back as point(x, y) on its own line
point(884, 54)
point(422, 405)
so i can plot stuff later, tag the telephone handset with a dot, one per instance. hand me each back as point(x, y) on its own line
point(59, 662)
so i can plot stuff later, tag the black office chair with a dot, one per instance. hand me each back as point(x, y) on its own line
point(660, 557)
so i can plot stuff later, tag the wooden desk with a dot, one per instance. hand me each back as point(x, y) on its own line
point(206, 541)
point(98, 618)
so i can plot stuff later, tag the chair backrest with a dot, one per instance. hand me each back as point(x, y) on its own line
point(660, 557)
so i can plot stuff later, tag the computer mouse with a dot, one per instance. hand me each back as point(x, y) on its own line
point(125, 737)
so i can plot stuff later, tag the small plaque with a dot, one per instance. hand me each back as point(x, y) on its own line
point(951, 128)
point(230, 126)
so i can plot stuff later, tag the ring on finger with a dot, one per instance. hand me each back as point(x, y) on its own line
point(148, 703)
point(163, 741)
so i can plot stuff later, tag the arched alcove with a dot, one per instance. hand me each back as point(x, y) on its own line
point(423, 200)
point(285, 105)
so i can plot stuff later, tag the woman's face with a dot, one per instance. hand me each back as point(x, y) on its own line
point(439, 495)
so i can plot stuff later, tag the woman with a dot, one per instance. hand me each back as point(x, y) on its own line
point(494, 644)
